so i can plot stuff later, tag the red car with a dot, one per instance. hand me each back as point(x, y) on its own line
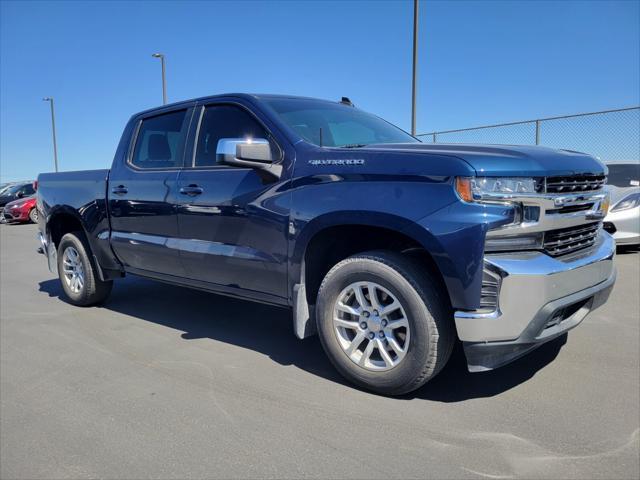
point(21, 210)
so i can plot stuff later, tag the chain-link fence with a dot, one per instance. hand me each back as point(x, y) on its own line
point(610, 135)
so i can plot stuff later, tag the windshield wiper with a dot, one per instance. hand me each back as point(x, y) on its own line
point(354, 145)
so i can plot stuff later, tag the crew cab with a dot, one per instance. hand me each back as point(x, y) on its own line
point(389, 248)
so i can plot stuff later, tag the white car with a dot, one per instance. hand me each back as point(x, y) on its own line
point(623, 220)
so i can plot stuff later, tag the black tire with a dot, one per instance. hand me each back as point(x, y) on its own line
point(33, 215)
point(427, 309)
point(94, 290)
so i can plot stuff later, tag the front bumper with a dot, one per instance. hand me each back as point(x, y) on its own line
point(14, 215)
point(540, 298)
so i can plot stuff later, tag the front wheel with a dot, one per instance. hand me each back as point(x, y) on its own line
point(33, 215)
point(77, 273)
point(384, 323)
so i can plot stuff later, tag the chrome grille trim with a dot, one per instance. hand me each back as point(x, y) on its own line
point(568, 240)
point(575, 183)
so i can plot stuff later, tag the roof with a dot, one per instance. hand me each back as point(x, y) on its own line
point(247, 96)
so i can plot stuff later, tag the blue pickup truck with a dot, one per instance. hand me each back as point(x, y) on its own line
point(388, 248)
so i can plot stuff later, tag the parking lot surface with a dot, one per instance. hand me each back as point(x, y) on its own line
point(166, 382)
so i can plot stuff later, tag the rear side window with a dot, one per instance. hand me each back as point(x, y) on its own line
point(225, 121)
point(160, 141)
point(28, 189)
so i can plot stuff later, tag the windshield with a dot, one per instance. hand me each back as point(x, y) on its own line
point(11, 189)
point(624, 174)
point(330, 124)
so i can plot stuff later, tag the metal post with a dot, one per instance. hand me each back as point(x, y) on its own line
point(53, 129)
point(415, 67)
point(164, 79)
point(434, 137)
point(537, 132)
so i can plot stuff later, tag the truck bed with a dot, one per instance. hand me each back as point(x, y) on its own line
point(80, 195)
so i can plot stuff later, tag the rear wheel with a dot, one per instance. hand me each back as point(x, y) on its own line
point(33, 215)
point(384, 323)
point(77, 272)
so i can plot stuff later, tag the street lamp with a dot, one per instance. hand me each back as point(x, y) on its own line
point(164, 80)
point(53, 128)
point(415, 67)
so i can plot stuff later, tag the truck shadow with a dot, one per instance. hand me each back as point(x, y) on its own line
point(455, 383)
point(268, 330)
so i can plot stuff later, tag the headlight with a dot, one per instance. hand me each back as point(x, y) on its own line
point(628, 202)
point(473, 189)
point(491, 190)
point(17, 205)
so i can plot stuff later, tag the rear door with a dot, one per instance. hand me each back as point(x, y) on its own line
point(142, 194)
point(232, 220)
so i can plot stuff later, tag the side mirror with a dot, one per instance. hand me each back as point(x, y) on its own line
point(20, 194)
point(249, 153)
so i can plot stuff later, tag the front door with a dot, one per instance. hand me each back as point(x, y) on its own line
point(232, 222)
point(142, 195)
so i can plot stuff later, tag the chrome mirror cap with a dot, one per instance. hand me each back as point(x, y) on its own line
point(253, 153)
point(230, 150)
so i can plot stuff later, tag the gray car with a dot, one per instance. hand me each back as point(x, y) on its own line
point(623, 220)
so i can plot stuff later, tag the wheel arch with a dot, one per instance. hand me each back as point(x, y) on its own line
point(330, 239)
point(61, 221)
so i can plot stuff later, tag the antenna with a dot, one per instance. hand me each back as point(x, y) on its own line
point(346, 101)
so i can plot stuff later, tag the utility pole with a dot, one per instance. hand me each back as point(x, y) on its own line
point(415, 67)
point(53, 128)
point(164, 79)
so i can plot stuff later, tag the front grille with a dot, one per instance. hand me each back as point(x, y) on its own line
point(575, 183)
point(571, 209)
point(567, 240)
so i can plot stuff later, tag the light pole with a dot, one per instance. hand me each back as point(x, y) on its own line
point(164, 80)
point(53, 128)
point(415, 67)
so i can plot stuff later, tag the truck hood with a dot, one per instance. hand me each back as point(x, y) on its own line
point(505, 160)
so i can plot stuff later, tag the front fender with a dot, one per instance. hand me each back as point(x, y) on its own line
point(455, 236)
point(323, 201)
point(305, 231)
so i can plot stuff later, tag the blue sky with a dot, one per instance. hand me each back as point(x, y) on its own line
point(480, 62)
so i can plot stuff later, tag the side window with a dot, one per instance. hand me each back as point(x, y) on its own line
point(27, 190)
point(224, 121)
point(160, 141)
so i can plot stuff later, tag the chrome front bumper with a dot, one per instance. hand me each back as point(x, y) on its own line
point(540, 298)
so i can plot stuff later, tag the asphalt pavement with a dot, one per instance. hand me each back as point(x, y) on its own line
point(167, 382)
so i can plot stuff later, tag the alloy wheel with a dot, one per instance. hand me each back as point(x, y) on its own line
point(371, 326)
point(73, 269)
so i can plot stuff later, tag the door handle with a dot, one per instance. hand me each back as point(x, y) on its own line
point(191, 190)
point(119, 190)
